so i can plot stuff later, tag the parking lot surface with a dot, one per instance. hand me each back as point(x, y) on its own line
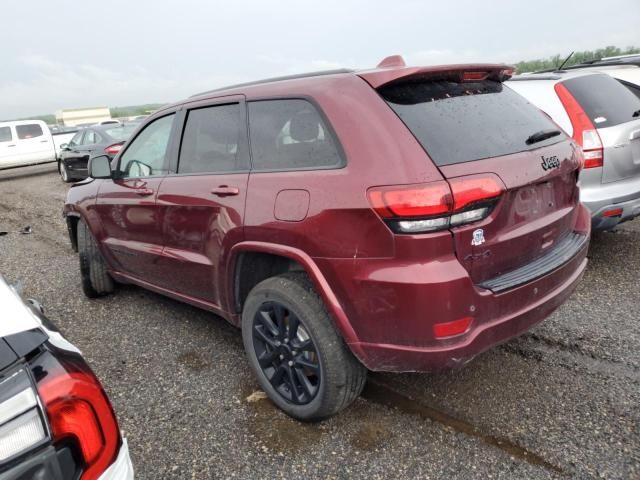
point(562, 401)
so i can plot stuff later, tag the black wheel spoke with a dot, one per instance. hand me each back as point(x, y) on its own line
point(278, 311)
point(304, 382)
point(295, 395)
point(306, 345)
point(266, 320)
point(291, 365)
point(267, 358)
point(294, 323)
point(278, 376)
point(303, 362)
point(263, 336)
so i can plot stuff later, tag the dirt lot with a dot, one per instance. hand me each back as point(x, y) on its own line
point(561, 401)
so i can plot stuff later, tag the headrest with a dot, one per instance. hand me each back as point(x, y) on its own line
point(304, 127)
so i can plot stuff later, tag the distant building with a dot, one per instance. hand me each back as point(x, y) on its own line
point(79, 116)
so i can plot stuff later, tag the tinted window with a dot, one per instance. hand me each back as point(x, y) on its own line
point(210, 141)
point(77, 138)
point(31, 130)
point(635, 89)
point(146, 155)
point(459, 122)
point(90, 138)
point(121, 133)
point(290, 135)
point(5, 134)
point(605, 101)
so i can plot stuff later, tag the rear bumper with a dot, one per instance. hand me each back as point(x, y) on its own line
point(630, 210)
point(121, 469)
point(603, 198)
point(400, 358)
point(393, 306)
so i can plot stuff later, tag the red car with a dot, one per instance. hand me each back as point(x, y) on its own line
point(396, 219)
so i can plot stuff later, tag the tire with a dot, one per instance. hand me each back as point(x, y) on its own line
point(96, 282)
point(64, 173)
point(341, 376)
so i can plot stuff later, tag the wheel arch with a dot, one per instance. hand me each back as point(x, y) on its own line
point(302, 262)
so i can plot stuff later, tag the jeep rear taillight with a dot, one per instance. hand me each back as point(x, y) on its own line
point(80, 412)
point(583, 130)
point(437, 205)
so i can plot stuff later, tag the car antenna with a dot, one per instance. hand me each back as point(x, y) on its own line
point(565, 61)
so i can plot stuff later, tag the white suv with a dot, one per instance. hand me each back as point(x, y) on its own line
point(604, 118)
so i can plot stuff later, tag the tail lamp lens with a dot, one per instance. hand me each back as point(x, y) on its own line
point(436, 206)
point(113, 149)
point(583, 130)
point(421, 201)
point(79, 410)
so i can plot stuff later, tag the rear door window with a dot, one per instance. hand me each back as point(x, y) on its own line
point(460, 122)
point(30, 130)
point(5, 134)
point(211, 140)
point(90, 138)
point(290, 135)
point(605, 100)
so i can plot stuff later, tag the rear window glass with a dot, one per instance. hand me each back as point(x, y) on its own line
point(121, 133)
point(31, 130)
point(635, 89)
point(606, 101)
point(290, 135)
point(211, 139)
point(5, 134)
point(460, 122)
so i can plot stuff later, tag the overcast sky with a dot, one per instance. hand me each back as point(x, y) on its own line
point(69, 54)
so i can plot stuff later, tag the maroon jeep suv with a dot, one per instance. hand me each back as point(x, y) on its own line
point(395, 219)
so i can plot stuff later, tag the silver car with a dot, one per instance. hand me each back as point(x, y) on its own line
point(604, 118)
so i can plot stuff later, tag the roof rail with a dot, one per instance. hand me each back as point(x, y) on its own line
point(277, 79)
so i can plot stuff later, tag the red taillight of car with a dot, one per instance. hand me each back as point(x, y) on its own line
point(437, 205)
point(79, 410)
point(451, 329)
point(583, 130)
point(113, 149)
point(474, 188)
point(413, 201)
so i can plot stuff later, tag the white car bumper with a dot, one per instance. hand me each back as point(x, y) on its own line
point(121, 469)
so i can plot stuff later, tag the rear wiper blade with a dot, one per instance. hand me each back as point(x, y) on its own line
point(542, 135)
point(636, 114)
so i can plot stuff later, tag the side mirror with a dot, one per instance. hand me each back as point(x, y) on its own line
point(99, 167)
point(64, 146)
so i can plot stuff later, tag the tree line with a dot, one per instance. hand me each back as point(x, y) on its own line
point(577, 58)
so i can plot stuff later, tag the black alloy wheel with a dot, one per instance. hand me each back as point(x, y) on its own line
point(286, 353)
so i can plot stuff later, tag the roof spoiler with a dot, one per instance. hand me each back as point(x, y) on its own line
point(393, 68)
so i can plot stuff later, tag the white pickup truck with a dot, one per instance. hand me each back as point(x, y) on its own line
point(29, 142)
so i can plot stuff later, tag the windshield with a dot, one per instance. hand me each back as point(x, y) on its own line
point(460, 122)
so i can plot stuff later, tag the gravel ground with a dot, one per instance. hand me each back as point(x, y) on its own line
point(561, 401)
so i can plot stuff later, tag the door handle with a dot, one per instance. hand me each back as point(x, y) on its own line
point(10, 145)
point(225, 191)
point(44, 141)
point(144, 192)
